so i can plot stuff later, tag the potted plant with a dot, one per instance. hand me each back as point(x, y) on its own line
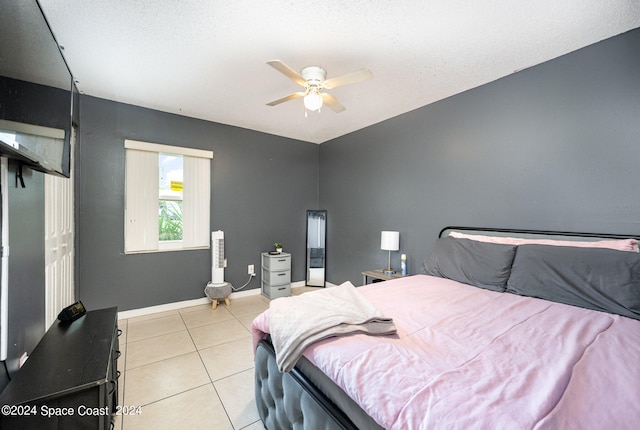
point(278, 247)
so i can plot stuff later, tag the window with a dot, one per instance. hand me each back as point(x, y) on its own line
point(167, 197)
point(170, 197)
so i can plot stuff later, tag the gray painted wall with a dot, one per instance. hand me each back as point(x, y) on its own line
point(24, 102)
point(26, 264)
point(262, 186)
point(555, 147)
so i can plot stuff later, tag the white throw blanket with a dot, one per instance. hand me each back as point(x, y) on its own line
point(298, 321)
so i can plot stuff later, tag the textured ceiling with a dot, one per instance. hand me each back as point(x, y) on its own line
point(207, 59)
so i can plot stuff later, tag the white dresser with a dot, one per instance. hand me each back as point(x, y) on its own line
point(276, 275)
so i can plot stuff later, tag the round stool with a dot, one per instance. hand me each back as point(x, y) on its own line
point(218, 292)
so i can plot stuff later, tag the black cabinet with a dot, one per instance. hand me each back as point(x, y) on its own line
point(70, 381)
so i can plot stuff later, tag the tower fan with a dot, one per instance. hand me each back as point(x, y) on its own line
point(217, 288)
point(217, 257)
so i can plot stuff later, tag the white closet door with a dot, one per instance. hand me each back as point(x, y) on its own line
point(59, 246)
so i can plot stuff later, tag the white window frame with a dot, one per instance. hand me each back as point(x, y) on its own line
point(142, 195)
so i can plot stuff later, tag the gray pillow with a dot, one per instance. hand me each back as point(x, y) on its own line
point(601, 279)
point(484, 265)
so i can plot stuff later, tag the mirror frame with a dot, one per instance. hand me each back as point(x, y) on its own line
point(316, 261)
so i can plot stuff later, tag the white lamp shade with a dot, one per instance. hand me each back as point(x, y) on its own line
point(313, 101)
point(390, 240)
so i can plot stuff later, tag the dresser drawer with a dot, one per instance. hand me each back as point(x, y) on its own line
point(277, 262)
point(276, 278)
point(275, 291)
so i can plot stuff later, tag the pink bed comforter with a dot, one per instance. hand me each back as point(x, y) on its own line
point(468, 358)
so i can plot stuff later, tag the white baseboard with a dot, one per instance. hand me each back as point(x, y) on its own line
point(161, 308)
point(194, 302)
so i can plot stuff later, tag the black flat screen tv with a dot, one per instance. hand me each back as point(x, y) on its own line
point(37, 91)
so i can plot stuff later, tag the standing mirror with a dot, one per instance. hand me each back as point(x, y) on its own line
point(316, 255)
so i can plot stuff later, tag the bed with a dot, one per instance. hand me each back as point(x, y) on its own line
point(503, 329)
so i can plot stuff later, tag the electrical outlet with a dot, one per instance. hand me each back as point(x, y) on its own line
point(251, 270)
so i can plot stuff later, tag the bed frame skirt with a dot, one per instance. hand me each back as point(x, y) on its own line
point(290, 400)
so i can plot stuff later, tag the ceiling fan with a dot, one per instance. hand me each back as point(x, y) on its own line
point(313, 80)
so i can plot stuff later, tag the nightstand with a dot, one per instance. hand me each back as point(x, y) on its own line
point(379, 274)
point(276, 275)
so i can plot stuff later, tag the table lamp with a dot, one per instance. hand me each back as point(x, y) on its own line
point(390, 241)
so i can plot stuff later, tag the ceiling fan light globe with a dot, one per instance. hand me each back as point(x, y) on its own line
point(313, 101)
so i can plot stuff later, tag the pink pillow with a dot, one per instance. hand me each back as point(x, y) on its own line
point(630, 245)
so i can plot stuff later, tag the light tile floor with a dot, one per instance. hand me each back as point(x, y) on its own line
point(190, 368)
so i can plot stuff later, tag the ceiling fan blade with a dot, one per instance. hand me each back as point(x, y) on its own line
point(349, 78)
point(286, 99)
point(287, 71)
point(332, 102)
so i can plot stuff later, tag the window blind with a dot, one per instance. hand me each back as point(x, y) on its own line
point(142, 197)
point(141, 201)
point(196, 196)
